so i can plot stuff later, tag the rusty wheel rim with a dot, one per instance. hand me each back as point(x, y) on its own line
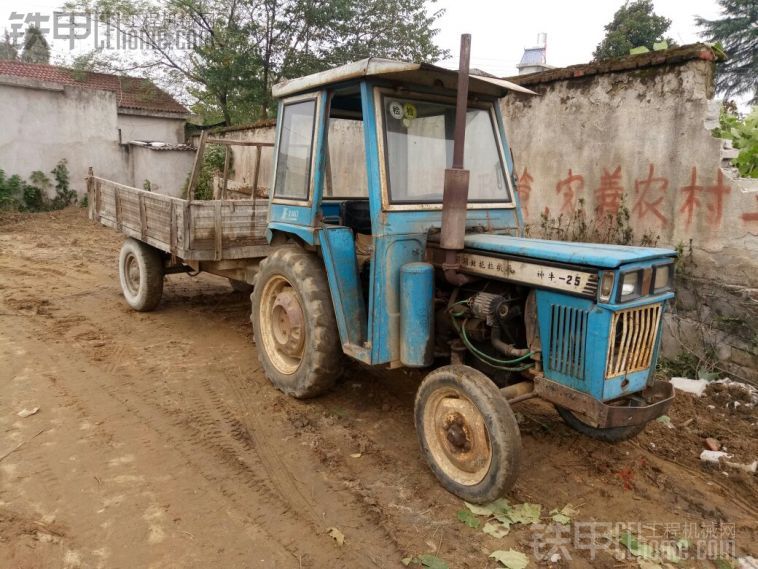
point(282, 325)
point(131, 274)
point(457, 436)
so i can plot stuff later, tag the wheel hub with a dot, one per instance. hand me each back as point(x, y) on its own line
point(132, 274)
point(287, 323)
point(462, 436)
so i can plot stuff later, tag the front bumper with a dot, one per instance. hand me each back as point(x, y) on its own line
point(634, 409)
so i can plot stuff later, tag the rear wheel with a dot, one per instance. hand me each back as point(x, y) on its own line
point(294, 324)
point(468, 433)
point(609, 435)
point(140, 270)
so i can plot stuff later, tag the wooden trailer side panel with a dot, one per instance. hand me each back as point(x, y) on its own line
point(198, 230)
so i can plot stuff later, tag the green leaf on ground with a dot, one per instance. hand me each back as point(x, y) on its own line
point(564, 515)
point(669, 552)
point(525, 513)
point(510, 559)
point(468, 518)
point(432, 561)
point(479, 510)
point(407, 560)
point(635, 547)
point(723, 564)
point(496, 530)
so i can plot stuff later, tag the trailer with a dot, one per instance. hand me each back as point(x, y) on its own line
point(167, 235)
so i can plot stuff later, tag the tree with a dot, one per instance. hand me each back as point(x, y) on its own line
point(36, 49)
point(736, 32)
point(8, 48)
point(240, 48)
point(633, 25)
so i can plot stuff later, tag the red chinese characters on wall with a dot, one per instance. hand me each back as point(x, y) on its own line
point(569, 187)
point(652, 198)
point(609, 193)
point(649, 194)
point(524, 189)
point(714, 195)
point(751, 216)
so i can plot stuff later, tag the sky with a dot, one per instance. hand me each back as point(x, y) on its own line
point(500, 29)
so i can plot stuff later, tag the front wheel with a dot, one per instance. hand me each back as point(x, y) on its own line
point(140, 270)
point(294, 324)
point(468, 433)
point(608, 435)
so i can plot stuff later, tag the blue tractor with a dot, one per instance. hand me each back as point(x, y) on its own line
point(398, 241)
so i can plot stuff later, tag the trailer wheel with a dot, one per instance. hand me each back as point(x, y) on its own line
point(468, 433)
point(294, 324)
point(140, 270)
point(609, 435)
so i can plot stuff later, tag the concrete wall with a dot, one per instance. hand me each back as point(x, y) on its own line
point(44, 122)
point(43, 125)
point(641, 136)
point(139, 127)
point(639, 131)
point(166, 170)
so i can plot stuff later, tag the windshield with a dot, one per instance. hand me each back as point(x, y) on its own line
point(419, 147)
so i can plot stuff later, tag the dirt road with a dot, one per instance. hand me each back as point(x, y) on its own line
point(158, 442)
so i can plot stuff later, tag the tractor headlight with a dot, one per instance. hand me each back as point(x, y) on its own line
point(631, 283)
point(663, 278)
point(606, 286)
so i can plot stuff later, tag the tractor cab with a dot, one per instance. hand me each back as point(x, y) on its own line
point(360, 159)
point(400, 242)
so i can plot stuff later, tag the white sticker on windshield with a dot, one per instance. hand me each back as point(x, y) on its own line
point(396, 110)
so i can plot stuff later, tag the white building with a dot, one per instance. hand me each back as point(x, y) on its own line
point(51, 113)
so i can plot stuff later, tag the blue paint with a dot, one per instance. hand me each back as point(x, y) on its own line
point(592, 254)
point(338, 250)
point(417, 314)
point(396, 326)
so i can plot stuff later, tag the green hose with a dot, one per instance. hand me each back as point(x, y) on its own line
point(486, 358)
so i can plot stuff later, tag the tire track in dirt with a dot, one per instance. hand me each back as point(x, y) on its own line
point(204, 421)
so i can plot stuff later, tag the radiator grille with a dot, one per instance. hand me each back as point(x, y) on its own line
point(632, 342)
point(568, 340)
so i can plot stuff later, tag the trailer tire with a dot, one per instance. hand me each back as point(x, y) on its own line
point(468, 433)
point(294, 324)
point(140, 270)
point(608, 435)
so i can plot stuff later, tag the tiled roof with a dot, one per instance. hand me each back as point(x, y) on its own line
point(131, 92)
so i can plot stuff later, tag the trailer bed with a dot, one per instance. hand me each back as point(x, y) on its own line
point(206, 230)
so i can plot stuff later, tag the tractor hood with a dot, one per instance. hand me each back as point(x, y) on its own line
point(591, 254)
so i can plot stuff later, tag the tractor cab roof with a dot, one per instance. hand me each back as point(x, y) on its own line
point(424, 74)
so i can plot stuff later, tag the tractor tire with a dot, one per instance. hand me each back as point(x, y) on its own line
point(294, 325)
point(609, 435)
point(468, 433)
point(140, 270)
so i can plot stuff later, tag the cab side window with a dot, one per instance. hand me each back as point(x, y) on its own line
point(294, 159)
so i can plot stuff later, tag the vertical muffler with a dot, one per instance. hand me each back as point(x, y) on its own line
point(455, 193)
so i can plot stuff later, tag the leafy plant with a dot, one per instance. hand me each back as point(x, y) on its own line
point(743, 132)
point(213, 165)
point(582, 227)
point(64, 195)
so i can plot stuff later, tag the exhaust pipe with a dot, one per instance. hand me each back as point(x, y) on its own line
point(455, 193)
